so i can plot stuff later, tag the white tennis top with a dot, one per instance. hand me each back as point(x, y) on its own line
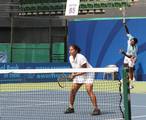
point(130, 49)
point(77, 63)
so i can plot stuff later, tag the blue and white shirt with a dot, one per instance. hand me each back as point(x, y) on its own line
point(131, 50)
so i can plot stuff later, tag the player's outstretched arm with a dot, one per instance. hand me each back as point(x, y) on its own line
point(126, 28)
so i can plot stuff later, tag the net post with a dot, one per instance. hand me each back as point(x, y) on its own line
point(126, 95)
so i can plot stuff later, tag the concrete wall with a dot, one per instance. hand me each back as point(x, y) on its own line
point(4, 8)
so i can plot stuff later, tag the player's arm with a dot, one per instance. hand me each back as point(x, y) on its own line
point(127, 32)
point(126, 28)
point(124, 53)
point(79, 73)
point(129, 56)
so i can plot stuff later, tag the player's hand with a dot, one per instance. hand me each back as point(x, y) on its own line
point(132, 57)
point(72, 76)
point(124, 23)
point(122, 51)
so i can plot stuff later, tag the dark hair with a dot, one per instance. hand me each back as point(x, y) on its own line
point(76, 48)
point(135, 40)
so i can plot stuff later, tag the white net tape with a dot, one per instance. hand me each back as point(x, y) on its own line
point(68, 70)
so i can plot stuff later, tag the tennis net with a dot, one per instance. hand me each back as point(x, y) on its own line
point(36, 94)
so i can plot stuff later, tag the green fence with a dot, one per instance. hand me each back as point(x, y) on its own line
point(37, 53)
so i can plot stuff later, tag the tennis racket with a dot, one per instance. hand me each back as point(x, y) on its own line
point(124, 15)
point(63, 79)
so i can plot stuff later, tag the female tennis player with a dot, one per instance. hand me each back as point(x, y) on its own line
point(78, 60)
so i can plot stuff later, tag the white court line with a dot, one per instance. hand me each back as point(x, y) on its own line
point(23, 100)
point(54, 117)
point(59, 102)
point(31, 105)
point(140, 116)
point(133, 117)
point(35, 92)
point(50, 103)
point(116, 119)
point(138, 106)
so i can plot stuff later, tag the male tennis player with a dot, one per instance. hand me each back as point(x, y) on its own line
point(77, 60)
point(131, 54)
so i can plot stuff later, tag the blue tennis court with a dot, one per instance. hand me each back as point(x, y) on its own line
point(138, 106)
point(51, 104)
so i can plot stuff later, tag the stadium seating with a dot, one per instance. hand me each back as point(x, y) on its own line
point(60, 5)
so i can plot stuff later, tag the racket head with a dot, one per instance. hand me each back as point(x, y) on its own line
point(62, 80)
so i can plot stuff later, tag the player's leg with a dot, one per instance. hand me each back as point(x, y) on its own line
point(126, 65)
point(89, 88)
point(134, 79)
point(75, 87)
point(131, 69)
point(131, 72)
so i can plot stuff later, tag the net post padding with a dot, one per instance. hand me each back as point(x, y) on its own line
point(126, 95)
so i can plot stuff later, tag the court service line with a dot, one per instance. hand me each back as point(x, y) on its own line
point(41, 101)
point(140, 116)
point(31, 105)
point(54, 117)
point(138, 106)
point(45, 92)
point(61, 102)
point(53, 103)
point(116, 119)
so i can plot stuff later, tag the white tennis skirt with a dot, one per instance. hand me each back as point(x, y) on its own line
point(130, 62)
point(86, 78)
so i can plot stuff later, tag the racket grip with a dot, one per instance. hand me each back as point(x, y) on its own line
point(124, 20)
